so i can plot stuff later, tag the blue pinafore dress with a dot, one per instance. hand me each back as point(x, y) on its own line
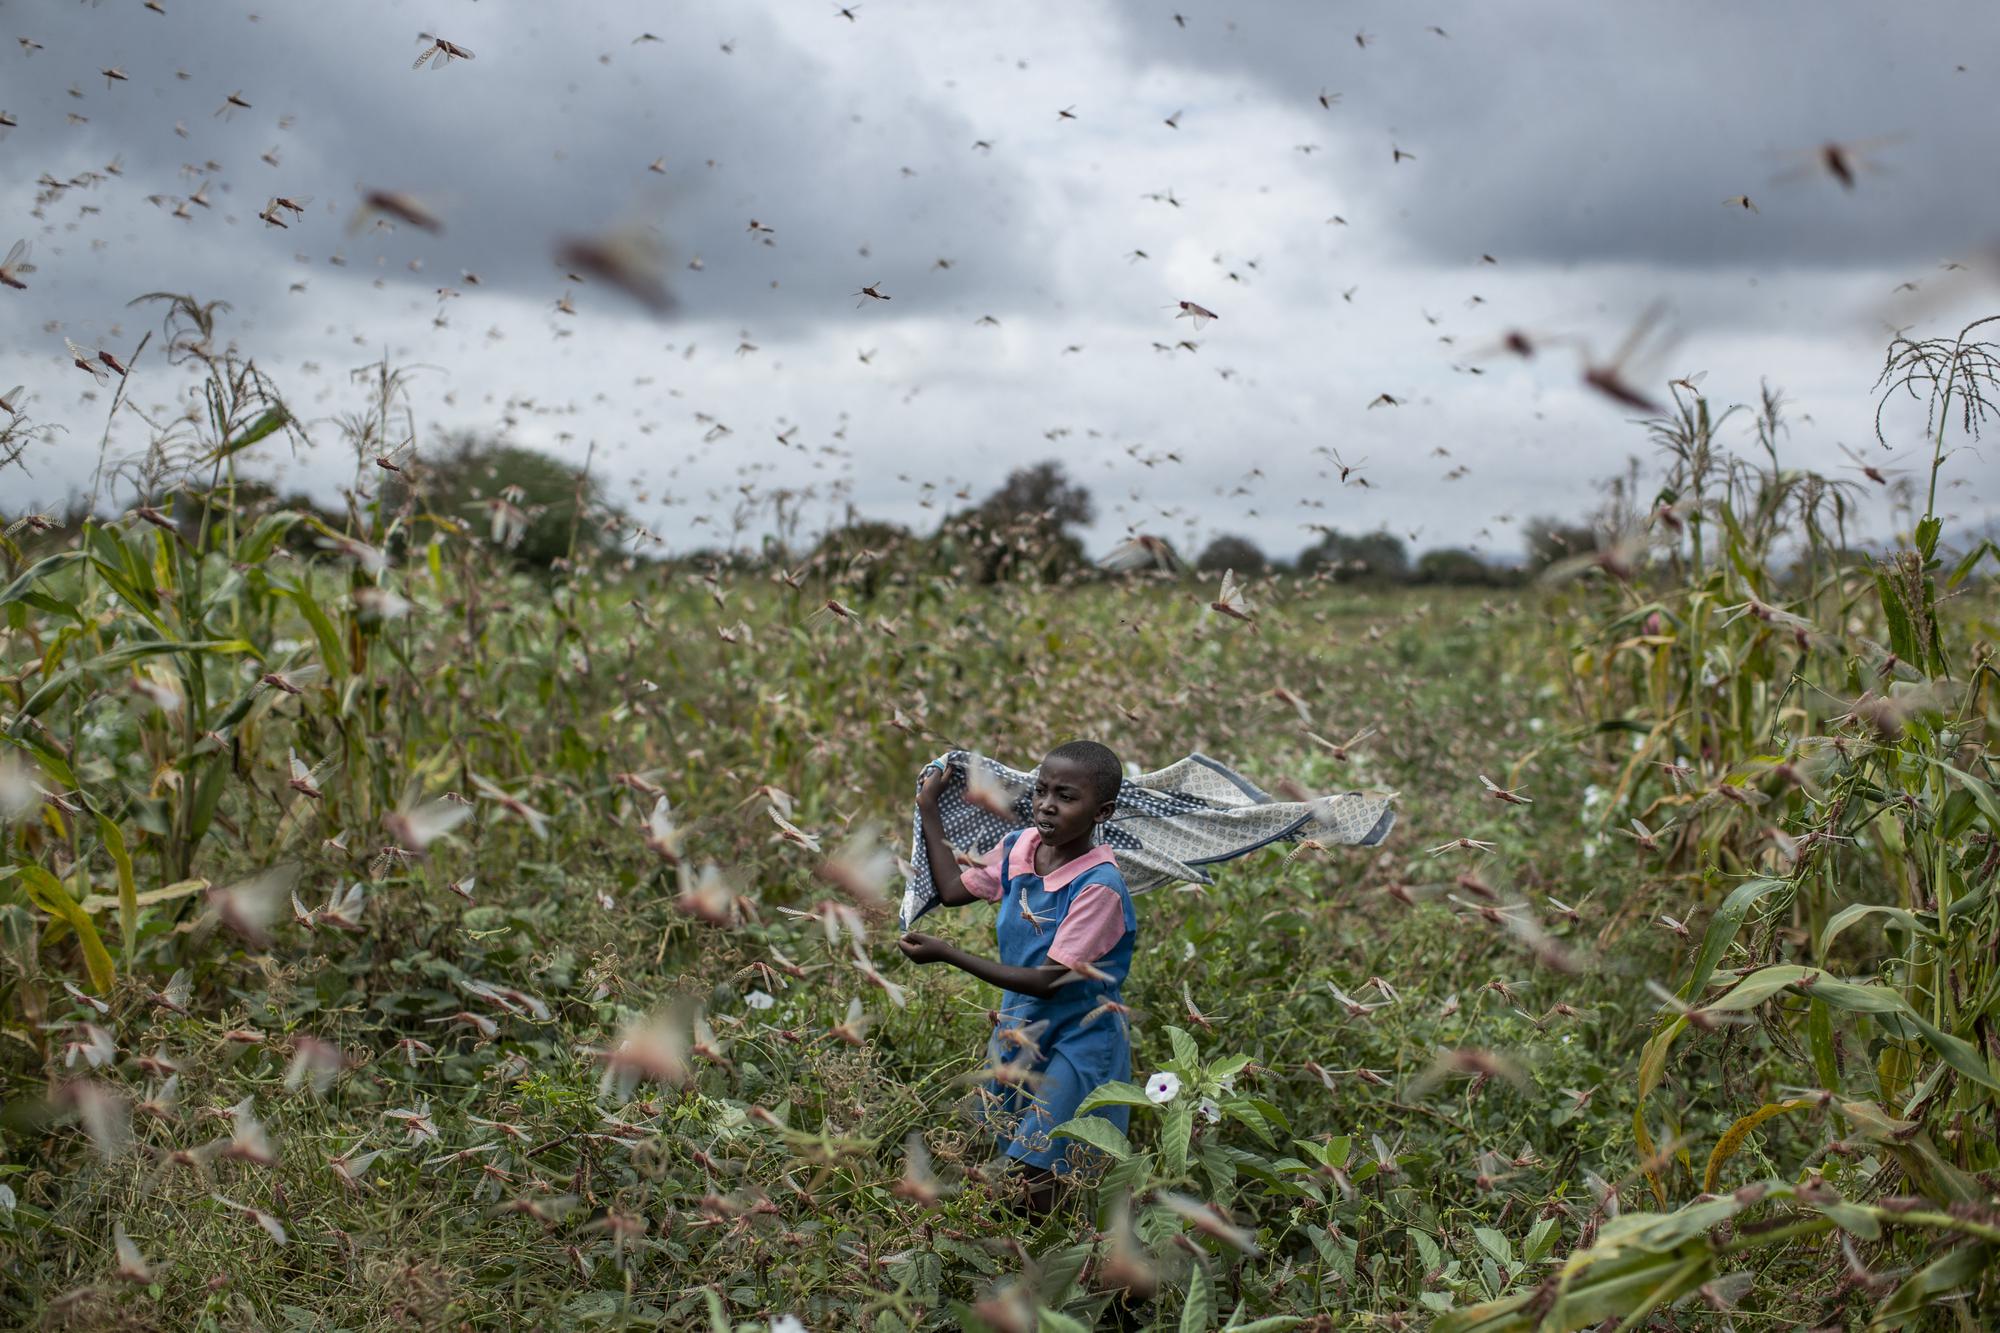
point(1071, 1051)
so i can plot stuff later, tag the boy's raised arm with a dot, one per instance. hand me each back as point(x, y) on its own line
point(944, 866)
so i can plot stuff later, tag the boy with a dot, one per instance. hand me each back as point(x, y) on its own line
point(1065, 931)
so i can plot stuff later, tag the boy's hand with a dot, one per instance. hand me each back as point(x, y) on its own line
point(921, 948)
point(934, 781)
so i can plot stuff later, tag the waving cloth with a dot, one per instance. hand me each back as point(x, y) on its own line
point(1168, 823)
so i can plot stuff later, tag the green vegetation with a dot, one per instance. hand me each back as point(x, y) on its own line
point(455, 1021)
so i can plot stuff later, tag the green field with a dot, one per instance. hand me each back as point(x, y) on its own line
point(1443, 1089)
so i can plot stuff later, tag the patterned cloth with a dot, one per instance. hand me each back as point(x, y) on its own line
point(1168, 824)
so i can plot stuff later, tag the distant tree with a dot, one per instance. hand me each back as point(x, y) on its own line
point(535, 496)
point(1020, 530)
point(1549, 540)
point(864, 553)
point(1374, 557)
point(1231, 552)
point(1453, 565)
point(1044, 492)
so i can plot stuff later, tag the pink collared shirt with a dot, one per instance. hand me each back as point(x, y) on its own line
point(1095, 920)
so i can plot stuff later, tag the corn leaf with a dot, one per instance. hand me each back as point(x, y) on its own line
point(49, 893)
point(128, 891)
point(36, 572)
point(1732, 1139)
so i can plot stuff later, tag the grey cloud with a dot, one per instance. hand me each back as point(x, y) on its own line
point(1559, 133)
point(532, 141)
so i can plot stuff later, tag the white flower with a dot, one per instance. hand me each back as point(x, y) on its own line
point(1163, 1087)
point(1187, 951)
point(1592, 794)
point(1209, 1110)
point(1535, 725)
point(787, 1323)
point(757, 999)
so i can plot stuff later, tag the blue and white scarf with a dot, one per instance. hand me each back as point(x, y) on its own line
point(1167, 825)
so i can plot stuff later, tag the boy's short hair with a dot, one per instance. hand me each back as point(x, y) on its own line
point(1107, 775)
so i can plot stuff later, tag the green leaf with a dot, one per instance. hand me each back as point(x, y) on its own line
point(1227, 1068)
point(1055, 1321)
point(39, 702)
point(332, 654)
point(266, 425)
point(1271, 1113)
point(36, 572)
point(1849, 915)
point(1184, 1049)
point(1058, 1272)
point(128, 891)
point(1129, 1177)
point(48, 893)
point(1495, 1244)
point(1175, 1132)
point(1098, 1132)
point(208, 795)
point(53, 606)
point(126, 654)
point(1541, 1239)
point(1927, 535)
point(1982, 793)
point(1956, 1052)
point(1819, 1039)
point(263, 539)
point(1971, 561)
point(1114, 1094)
point(1902, 637)
point(1721, 932)
point(1199, 1311)
point(1275, 1323)
point(1960, 1270)
point(1888, 1006)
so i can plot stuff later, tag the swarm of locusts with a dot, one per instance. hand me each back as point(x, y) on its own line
point(384, 917)
point(464, 907)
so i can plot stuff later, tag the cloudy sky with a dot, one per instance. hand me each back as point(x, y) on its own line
point(1552, 167)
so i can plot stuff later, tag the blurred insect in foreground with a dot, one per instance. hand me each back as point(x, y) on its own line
point(1701, 1019)
point(12, 400)
point(1610, 377)
point(630, 259)
point(1867, 469)
point(14, 265)
point(439, 52)
point(396, 205)
point(1139, 551)
point(1842, 161)
point(1199, 314)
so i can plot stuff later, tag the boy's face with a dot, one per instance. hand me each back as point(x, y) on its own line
point(1066, 805)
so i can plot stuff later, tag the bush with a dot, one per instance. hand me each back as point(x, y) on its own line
point(1231, 552)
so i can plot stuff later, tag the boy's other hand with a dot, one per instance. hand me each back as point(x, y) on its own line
point(934, 781)
point(921, 948)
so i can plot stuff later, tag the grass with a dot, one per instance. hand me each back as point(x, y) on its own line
point(1797, 1123)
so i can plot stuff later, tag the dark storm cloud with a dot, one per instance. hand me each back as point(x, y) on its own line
point(1564, 133)
point(547, 134)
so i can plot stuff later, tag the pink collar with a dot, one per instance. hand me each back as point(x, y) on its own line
point(1022, 862)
